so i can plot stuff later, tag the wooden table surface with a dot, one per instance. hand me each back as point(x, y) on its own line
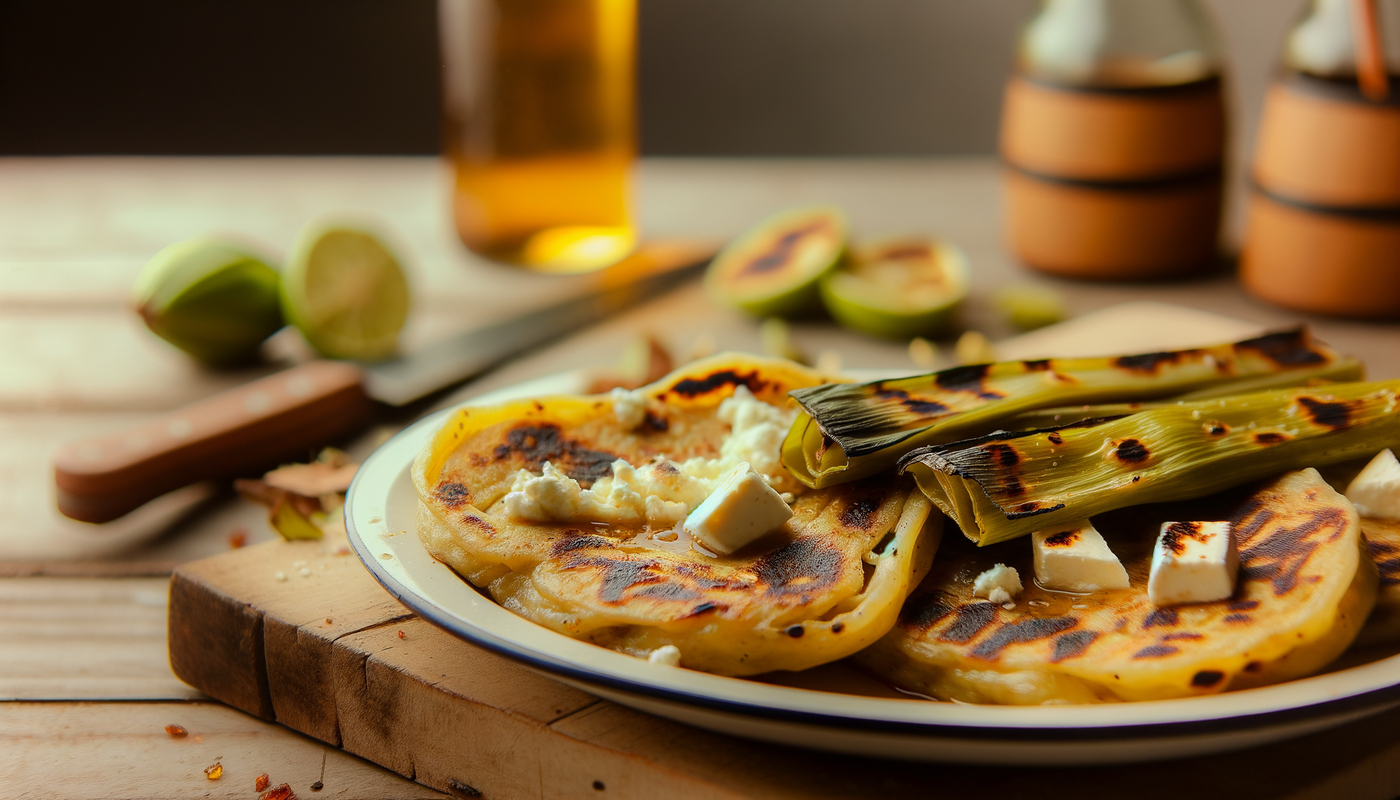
point(84, 678)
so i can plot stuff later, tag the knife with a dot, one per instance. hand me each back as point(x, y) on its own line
point(283, 417)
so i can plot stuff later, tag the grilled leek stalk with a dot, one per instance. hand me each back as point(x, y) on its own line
point(850, 431)
point(1006, 485)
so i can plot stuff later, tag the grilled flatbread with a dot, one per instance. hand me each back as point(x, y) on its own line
point(1306, 585)
point(1383, 540)
point(828, 583)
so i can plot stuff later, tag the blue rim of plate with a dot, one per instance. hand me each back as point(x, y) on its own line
point(1373, 699)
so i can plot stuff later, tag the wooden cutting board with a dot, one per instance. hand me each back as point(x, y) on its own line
point(332, 655)
point(300, 634)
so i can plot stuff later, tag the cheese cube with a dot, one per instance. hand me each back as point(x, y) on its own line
point(999, 584)
point(742, 508)
point(1075, 558)
point(1376, 490)
point(1194, 562)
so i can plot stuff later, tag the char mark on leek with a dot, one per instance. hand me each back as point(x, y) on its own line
point(1156, 455)
point(849, 431)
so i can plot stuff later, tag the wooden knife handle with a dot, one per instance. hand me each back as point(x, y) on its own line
point(240, 433)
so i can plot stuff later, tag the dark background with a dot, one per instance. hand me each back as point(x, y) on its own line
point(716, 77)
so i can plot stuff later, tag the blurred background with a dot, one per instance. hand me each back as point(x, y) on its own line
point(716, 77)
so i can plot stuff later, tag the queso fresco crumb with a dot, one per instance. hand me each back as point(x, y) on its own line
point(661, 493)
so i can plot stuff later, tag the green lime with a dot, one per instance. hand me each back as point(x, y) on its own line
point(898, 287)
point(1029, 307)
point(213, 299)
point(345, 292)
point(772, 270)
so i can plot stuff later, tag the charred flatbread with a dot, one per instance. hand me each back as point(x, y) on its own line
point(1383, 541)
point(1305, 587)
point(828, 583)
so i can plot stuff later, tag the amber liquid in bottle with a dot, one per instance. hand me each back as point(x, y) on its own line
point(539, 124)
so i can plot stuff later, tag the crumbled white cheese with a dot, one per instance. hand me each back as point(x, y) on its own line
point(740, 510)
point(660, 493)
point(630, 408)
point(667, 655)
point(1375, 491)
point(1193, 562)
point(756, 434)
point(1000, 584)
point(1075, 558)
point(657, 494)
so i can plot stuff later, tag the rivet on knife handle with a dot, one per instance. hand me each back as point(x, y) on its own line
point(238, 433)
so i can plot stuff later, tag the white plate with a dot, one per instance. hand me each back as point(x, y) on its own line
point(379, 517)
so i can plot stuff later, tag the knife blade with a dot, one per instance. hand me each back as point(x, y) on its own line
point(285, 416)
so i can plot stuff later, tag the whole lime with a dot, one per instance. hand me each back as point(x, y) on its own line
point(211, 298)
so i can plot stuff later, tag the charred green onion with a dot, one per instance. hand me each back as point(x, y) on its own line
point(849, 431)
point(1006, 485)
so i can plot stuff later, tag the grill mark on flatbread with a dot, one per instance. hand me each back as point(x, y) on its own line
point(798, 567)
point(860, 513)
point(1072, 645)
point(1282, 556)
point(668, 591)
point(1387, 559)
point(1156, 651)
point(970, 622)
point(619, 576)
point(574, 540)
point(694, 387)
point(452, 495)
point(923, 611)
point(480, 524)
point(1026, 630)
point(704, 608)
point(1207, 678)
point(1162, 617)
point(537, 444)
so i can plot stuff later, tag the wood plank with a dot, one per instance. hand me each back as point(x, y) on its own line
point(86, 638)
point(182, 526)
point(102, 751)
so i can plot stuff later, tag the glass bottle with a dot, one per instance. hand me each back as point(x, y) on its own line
point(540, 128)
point(1322, 226)
point(1113, 137)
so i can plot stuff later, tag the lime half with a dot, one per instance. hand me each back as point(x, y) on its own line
point(898, 288)
point(213, 299)
point(772, 270)
point(345, 292)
